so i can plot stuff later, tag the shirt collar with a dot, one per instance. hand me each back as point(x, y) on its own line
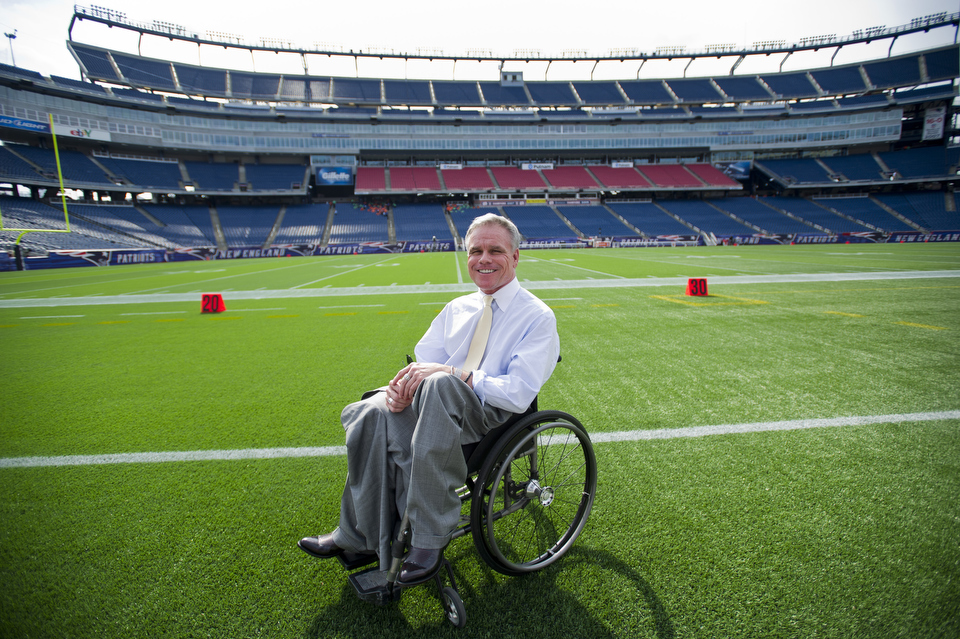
point(506, 294)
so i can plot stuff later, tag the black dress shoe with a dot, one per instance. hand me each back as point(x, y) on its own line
point(420, 565)
point(322, 546)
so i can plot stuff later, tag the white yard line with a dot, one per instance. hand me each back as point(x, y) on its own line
point(469, 287)
point(597, 438)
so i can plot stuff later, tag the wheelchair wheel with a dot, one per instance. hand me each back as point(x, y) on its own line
point(534, 493)
point(453, 607)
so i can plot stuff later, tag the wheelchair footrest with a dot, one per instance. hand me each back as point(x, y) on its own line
point(354, 560)
point(371, 585)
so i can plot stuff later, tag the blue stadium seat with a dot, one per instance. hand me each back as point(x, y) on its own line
point(705, 217)
point(943, 64)
point(302, 224)
point(350, 90)
point(145, 173)
point(841, 80)
point(599, 93)
point(894, 73)
point(198, 80)
point(416, 92)
point(420, 222)
point(551, 93)
point(95, 62)
point(647, 91)
point(208, 176)
point(790, 86)
point(743, 88)
point(254, 86)
point(154, 74)
point(698, 90)
point(497, 95)
point(452, 93)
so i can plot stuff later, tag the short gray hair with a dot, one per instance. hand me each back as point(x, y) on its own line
point(493, 218)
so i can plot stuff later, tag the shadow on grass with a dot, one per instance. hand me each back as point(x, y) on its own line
point(530, 606)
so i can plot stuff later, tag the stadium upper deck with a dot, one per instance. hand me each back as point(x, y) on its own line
point(147, 124)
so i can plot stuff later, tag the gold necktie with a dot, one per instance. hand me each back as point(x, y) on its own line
point(479, 342)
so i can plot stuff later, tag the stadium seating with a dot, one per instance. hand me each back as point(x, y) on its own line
point(202, 81)
point(179, 226)
point(712, 176)
point(13, 166)
point(743, 88)
point(790, 86)
point(669, 175)
point(796, 171)
point(699, 90)
point(463, 217)
point(457, 93)
point(512, 177)
point(123, 219)
point(855, 167)
point(705, 217)
point(841, 80)
point(254, 86)
point(917, 163)
point(302, 224)
point(469, 178)
point(414, 178)
point(146, 174)
point(866, 210)
point(354, 225)
point(496, 94)
point(594, 221)
point(647, 91)
point(420, 222)
point(371, 179)
point(76, 166)
point(650, 219)
point(809, 211)
point(153, 74)
point(415, 92)
point(770, 220)
point(926, 209)
point(599, 93)
point(620, 178)
point(570, 177)
point(275, 177)
point(552, 93)
point(84, 233)
point(538, 222)
point(246, 225)
point(208, 176)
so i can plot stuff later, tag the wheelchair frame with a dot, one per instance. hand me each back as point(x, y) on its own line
point(529, 490)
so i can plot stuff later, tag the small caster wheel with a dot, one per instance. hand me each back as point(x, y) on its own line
point(453, 607)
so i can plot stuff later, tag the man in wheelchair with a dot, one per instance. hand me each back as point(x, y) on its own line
point(404, 440)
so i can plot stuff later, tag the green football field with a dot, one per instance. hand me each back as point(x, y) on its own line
point(780, 458)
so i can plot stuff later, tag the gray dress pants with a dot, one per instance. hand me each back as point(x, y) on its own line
point(409, 460)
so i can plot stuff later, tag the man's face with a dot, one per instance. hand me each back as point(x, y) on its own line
point(490, 258)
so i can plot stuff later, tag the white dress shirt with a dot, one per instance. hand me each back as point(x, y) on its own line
point(521, 353)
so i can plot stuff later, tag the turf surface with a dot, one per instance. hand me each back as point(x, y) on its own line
point(831, 532)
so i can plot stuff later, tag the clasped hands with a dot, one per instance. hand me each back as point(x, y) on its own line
point(401, 389)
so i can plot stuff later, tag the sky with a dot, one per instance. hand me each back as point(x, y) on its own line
point(502, 27)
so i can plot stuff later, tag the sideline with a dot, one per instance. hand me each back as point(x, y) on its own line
point(715, 280)
point(598, 438)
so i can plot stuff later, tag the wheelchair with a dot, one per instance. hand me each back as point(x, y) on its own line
point(530, 488)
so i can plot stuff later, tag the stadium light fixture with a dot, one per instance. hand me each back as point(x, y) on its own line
point(11, 37)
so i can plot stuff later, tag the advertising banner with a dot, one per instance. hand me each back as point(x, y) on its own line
point(335, 176)
point(26, 125)
point(79, 132)
point(933, 119)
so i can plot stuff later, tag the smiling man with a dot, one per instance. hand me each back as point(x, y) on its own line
point(404, 440)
